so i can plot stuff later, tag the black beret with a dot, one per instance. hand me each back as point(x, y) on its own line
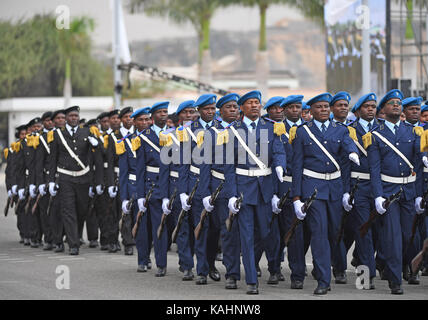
point(19, 129)
point(91, 122)
point(103, 115)
point(34, 121)
point(113, 113)
point(57, 112)
point(82, 121)
point(74, 108)
point(125, 111)
point(46, 115)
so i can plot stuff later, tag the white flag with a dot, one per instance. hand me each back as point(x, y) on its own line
point(125, 54)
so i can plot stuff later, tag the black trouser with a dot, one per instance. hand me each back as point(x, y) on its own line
point(20, 220)
point(213, 240)
point(34, 223)
point(56, 220)
point(45, 220)
point(74, 201)
point(91, 220)
point(106, 212)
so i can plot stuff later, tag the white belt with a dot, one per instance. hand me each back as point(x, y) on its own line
point(195, 170)
point(106, 165)
point(362, 176)
point(287, 178)
point(133, 177)
point(398, 180)
point(74, 173)
point(152, 169)
point(254, 172)
point(322, 176)
point(217, 175)
point(425, 169)
point(173, 174)
point(116, 170)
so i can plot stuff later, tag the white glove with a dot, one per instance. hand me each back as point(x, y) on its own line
point(42, 190)
point(99, 189)
point(231, 205)
point(141, 204)
point(93, 141)
point(112, 192)
point(275, 203)
point(425, 160)
point(418, 203)
point(345, 202)
point(21, 194)
point(32, 191)
point(280, 174)
point(15, 189)
point(379, 205)
point(9, 193)
point(91, 192)
point(165, 202)
point(124, 204)
point(354, 158)
point(298, 205)
point(207, 205)
point(184, 205)
point(52, 190)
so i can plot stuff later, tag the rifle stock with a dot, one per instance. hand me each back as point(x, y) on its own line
point(164, 215)
point(229, 220)
point(281, 205)
point(140, 213)
point(345, 214)
point(6, 208)
point(417, 262)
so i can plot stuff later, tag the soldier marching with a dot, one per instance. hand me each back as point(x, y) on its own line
point(224, 176)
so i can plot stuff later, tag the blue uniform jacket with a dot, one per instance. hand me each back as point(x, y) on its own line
point(127, 166)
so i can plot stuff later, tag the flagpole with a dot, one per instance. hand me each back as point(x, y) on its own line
point(116, 48)
point(366, 56)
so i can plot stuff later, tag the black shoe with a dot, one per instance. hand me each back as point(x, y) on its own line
point(161, 272)
point(214, 274)
point(104, 247)
point(273, 279)
point(280, 276)
point(59, 248)
point(319, 291)
point(259, 271)
point(47, 246)
point(372, 285)
point(21, 241)
point(142, 268)
point(341, 278)
point(82, 242)
point(112, 248)
point(219, 257)
point(296, 284)
point(26, 242)
point(395, 288)
point(188, 275)
point(231, 284)
point(201, 280)
point(129, 251)
point(34, 244)
point(74, 251)
point(252, 289)
point(93, 244)
point(414, 279)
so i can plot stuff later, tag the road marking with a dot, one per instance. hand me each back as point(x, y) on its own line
point(58, 257)
point(10, 259)
point(24, 261)
point(72, 259)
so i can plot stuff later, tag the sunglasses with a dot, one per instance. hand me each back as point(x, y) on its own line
point(393, 103)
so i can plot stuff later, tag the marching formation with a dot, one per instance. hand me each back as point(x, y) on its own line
point(217, 176)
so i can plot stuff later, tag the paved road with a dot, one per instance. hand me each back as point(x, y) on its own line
point(27, 273)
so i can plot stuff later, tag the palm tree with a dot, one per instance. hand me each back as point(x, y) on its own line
point(197, 12)
point(72, 41)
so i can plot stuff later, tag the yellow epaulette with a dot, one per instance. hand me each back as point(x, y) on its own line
point(182, 135)
point(200, 138)
point(50, 136)
point(120, 148)
point(29, 138)
point(367, 140)
point(36, 141)
point(6, 152)
point(418, 130)
point(352, 133)
point(95, 131)
point(424, 141)
point(106, 141)
point(279, 128)
point(17, 146)
point(136, 143)
point(292, 134)
point(222, 137)
point(165, 140)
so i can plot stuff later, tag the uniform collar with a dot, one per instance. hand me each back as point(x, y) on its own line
point(68, 127)
point(319, 124)
point(248, 122)
point(291, 124)
point(225, 124)
point(365, 124)
point(417, 124)
point(204, 124)
point(157, 129)
point(391, 125)
point(125, 131)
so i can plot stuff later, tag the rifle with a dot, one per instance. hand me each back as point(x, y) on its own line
point(281, 205)
point(231, 217)
point(296, 222)
point(33, 209)
point(20, 201)
point(374, 214)
point(129, 207)
point(417, 261)
point(94, 199)
point(183, 213)
point(27, 205)
point(14, 201)
point(141, 213)
point(345, 214)
point(6, 208)
point(418, 219)
point(163, 219)
point(204, 213)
